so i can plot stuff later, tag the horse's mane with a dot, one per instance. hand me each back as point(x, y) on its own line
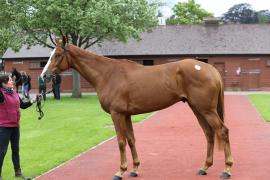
point(106, 58)
point(126, 61)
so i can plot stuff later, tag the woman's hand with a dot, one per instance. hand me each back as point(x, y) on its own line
point(33, 100)
point(38, 97)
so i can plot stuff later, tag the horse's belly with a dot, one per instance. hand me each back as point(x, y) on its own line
point(151, 103)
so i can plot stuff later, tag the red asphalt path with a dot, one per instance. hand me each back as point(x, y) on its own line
point(172, 146)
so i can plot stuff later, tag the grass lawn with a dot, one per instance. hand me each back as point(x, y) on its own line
point(70, 126)
point(262, 104)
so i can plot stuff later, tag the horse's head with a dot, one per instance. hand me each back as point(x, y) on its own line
point(59, 60)
point(14, 72)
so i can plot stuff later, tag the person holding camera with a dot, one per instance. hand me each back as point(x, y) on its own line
point(10, 104)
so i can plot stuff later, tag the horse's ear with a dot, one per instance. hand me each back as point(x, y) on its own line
point(61, 41)
point(58, 41)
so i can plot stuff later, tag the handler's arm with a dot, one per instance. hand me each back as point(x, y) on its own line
point(24, 105)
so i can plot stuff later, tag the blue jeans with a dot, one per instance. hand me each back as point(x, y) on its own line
point(25, 90)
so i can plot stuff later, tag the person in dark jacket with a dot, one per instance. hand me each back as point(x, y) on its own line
point(42, 86)
point(56, 81)
point(10, 104)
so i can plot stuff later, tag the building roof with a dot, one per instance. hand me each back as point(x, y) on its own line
point(231, 39)
point(34, 52)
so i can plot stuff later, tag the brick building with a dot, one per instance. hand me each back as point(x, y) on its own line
point(240, 52)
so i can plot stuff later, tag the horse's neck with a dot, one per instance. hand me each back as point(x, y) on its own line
point(91, 66)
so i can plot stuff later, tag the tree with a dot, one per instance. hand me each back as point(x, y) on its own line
point(9, 39)
point(188, 13)
point(264, 16)
point(9, 31)
point(241, 13)
point(83, 22)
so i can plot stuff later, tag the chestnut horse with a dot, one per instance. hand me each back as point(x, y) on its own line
point(125, 88)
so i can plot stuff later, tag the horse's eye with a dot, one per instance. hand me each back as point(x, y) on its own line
point(57, 56)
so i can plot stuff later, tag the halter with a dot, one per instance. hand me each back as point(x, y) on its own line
point(59, 59)
point(62, 56)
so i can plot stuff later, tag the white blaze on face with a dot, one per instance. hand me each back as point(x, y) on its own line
point(197, 67)
point(47, 65)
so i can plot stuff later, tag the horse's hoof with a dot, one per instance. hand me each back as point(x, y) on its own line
point(133, 174)
point(117, 178)
point(225, 175)
point(202, 172)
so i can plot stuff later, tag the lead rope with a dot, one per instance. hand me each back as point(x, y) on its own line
point(39, 104)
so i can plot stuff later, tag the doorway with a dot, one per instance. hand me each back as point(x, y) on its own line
point(220, 66)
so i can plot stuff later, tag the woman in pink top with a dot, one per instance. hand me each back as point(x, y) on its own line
point(10, 104)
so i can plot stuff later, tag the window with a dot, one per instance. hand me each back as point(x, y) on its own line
point(148, 62)
point(37, 65)
point(254, 59)
point(145, 62)
point(251, 71)
point(202, 59)
point(43, 64)
point(17, 62)
point(268, 62)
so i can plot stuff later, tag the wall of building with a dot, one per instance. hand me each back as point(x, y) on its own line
point(238, 72)
point(244, 72)
point(250, 72)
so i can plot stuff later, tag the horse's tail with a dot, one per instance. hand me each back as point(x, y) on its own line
point(220, 105)
point(220, 111)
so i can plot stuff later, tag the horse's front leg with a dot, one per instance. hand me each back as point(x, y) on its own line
point(120, 128)
point(131, 143)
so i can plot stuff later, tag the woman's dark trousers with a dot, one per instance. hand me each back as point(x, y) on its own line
point(11, 135)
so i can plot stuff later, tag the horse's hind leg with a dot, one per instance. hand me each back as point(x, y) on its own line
point(119, 121)
point(222, 134)
point(210, 137)
point(227, 151)
point(131, 143)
